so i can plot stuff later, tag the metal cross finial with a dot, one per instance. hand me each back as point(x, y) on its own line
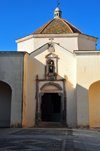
point(51, 38)
point(58, 3)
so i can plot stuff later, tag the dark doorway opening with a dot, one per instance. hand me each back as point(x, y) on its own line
point(5, 104)
point(51, 107)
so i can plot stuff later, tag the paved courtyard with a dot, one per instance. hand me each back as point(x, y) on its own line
point(49, 139)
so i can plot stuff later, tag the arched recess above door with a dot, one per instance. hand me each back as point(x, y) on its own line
point(56, 85)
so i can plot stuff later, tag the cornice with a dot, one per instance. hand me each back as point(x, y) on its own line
point(56, 36)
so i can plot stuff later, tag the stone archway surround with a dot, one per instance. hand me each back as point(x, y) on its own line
point(39, 106)
point(61, 92)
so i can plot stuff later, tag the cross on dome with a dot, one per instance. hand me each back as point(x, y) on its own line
point(58, 3)
point(57, 12)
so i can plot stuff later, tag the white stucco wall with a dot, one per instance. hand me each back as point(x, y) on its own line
point(67, 70)
point(26, 46)
point(88, 71)
point(11, 72)
point(86, 44)
point(65, 42)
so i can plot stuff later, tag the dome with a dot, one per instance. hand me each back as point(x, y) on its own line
point(57, 26)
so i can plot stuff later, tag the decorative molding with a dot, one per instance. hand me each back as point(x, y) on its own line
point(51, 47)
point(51, 80)
point(51, 55)
point(41, 94)
point(60, 94)
point(51, 83)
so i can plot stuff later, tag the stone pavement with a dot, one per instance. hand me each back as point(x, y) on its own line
point(49, 139)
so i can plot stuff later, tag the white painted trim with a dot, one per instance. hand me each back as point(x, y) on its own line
point(87, 51)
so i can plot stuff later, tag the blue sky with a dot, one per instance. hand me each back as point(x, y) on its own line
point(19, 18)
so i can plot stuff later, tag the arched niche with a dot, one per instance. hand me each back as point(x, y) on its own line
point(5, 104)
point(94, 104)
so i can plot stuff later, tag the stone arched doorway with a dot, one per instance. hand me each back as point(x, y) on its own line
point(51, 90)
point(94, 104)
point(5, 104)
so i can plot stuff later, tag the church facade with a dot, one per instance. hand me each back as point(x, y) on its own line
point(54, 77)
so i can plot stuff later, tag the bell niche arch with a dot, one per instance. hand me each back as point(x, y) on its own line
point(51, 66)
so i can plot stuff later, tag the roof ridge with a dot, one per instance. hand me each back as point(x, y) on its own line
point(46, 25)
point(72, 25)
point(67, 25)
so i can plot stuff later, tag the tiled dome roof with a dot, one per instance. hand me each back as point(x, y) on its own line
point(57, 26)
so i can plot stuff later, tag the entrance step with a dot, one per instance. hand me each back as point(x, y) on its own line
point(50, 125)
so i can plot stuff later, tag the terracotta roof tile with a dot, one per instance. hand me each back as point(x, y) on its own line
point(57, 26)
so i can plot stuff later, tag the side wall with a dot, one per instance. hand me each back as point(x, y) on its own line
point(26, 46)
point(88, 71)
point(86, 44)
point(11, 72)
